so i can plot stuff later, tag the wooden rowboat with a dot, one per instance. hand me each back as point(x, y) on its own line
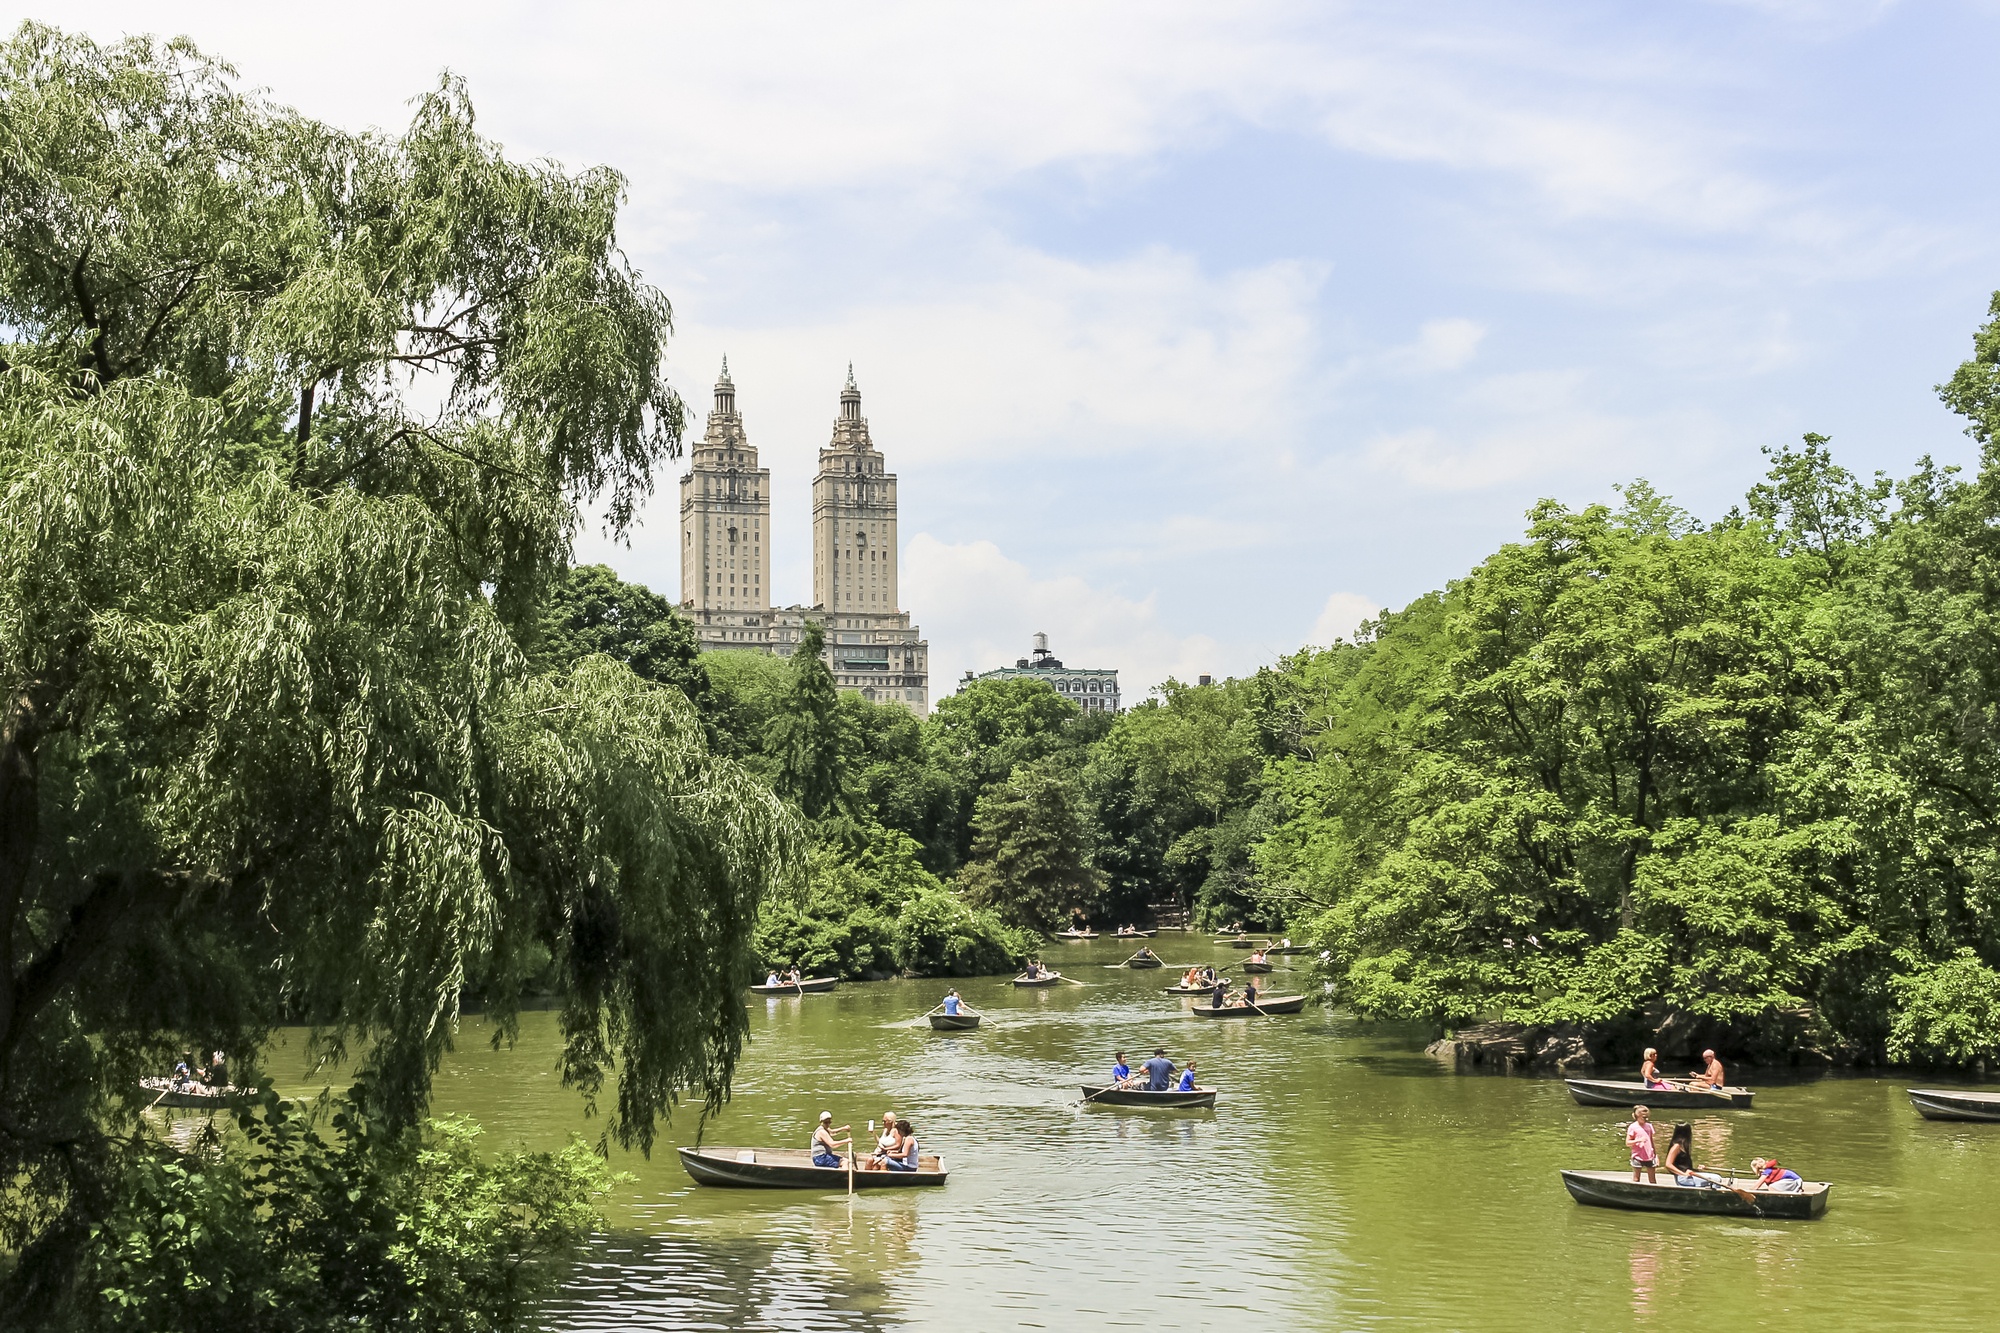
point(1135, 934)
point(958, 1022)
point(1106, 1094)
point(1237, 942)
point(1143, 958)
point(1289, 949)
point(1049, 980)
point(1074, 935)
point(194, 1097)
point(792, 1168)
point(810, 986)
point(1955, 1104)
point(1276, 1004)
point(1194, 990)
point(1617, 1189)
point(1251, 965)
point(1598, 1092)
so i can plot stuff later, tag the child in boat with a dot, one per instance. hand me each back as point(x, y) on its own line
point(1121, 1073)
point(1649, 1070)
point(1187, 1078)
point(1639, 1142)
point(1771, 1176)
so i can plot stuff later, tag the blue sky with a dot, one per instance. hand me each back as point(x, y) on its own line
point(1194, 331)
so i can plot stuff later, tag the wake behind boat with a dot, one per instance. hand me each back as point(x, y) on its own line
point(1276, 1004)
point(1617, 1189)
point(1955, 1104)
point(1107, 1094)
point(791, 1168)
point(1602, 1092)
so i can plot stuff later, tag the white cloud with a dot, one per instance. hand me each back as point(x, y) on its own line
point(982, 608)
point(1341, 616)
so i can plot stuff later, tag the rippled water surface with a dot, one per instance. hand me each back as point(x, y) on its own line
point(1344, 1181)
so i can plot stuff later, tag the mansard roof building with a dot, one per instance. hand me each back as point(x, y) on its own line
point(1093, 689)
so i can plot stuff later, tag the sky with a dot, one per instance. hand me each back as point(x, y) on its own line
point(1196, 333)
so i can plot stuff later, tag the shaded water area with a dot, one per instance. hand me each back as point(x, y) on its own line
point(1344, 1180)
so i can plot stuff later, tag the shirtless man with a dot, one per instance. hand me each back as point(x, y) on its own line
point(1711, 1075)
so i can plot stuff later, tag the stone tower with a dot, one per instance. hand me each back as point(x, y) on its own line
point(854, 519)
point(725, 517)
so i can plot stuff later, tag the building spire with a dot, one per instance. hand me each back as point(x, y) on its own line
point(850, 398)
point(725, 390)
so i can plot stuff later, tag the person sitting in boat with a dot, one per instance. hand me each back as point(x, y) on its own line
point(1649, 1071)
point(1159, 1071)
point(1679, 1161)
point(772, 980)
point(1220, 995)
point(1260, 956)
point(1248, 999)
point(1121, 1073)
point(183, 1076)
point(888, 1144)
point(1711, 1075)
point(793, 977)
point(907, 1159)
point(951, 1003)
point(217, 1073)
point(825, 1147)
point(1639, 1142)
point(1771, 1176)
point(1187, 1078)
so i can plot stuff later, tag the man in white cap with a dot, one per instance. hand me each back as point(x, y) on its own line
point(825, 1147)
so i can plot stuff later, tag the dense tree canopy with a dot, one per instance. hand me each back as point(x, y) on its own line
point(270, 747)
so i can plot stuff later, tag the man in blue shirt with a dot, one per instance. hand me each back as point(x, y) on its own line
point(951, 1002)
point(1159, 1071)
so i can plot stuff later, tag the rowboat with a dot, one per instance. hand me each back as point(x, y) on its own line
point(792, 1168)
point(1194, 990)
point(1135, 934)
point(958, 1022)
point(1109, 1095)
point(1239, 942)
point(1143, 958)
point(1277, 1004)
point(1597, 1092)
point(1251, 965)
point(1617, 1189)
point(1074, 935)
point(162, 1092)
point(810, 986)
point(1288, 949)
point(1049, 980)
point(1952, 1104)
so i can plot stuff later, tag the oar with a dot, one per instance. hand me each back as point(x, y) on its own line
point(1071, 980)
point(1113, 1086)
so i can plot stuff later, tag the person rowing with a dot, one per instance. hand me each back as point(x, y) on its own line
point(1159, 1071)
point(1187, 1078)
point(1260, 956)
point(1679, 1161)
point(825, 1147)
point(1248, 999)
point(1221, 993)
point(951, 1003)
point(1121, 1073)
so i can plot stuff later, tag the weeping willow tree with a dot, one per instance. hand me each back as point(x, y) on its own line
point(295, 427)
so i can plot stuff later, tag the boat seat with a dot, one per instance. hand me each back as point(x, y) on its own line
point(747, 1155)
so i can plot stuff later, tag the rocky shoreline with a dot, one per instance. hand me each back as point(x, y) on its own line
point(1790, 1037)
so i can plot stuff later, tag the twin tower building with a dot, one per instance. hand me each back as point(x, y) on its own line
point(871, 646)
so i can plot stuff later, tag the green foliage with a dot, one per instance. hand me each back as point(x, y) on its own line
point(269, 745)
point(369, 1228)
point(1031, 850)
point(1947, 1012)
point(871, 908)
point(805, 738)
point(591, 610)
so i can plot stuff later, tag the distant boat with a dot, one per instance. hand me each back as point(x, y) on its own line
point(1953, 1104)
point(1074, 935)
point(1194, 990)
point(810, 986)
point(1289, 948)
point(1135, 934)
point(1598, 1092)
point(1048, 980)
point(1143, 958)
point(1109, 1095)
point(792, 1168)
point(1277, 1004)
point(1237, 942)
point(963, 1021)
point(194, 1096)
point(1617, 1189)
point(1252, 965)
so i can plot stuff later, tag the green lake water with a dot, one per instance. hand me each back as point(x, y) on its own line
point(1345, 1180)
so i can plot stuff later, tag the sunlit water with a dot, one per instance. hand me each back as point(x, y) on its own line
point(1345, 1180)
